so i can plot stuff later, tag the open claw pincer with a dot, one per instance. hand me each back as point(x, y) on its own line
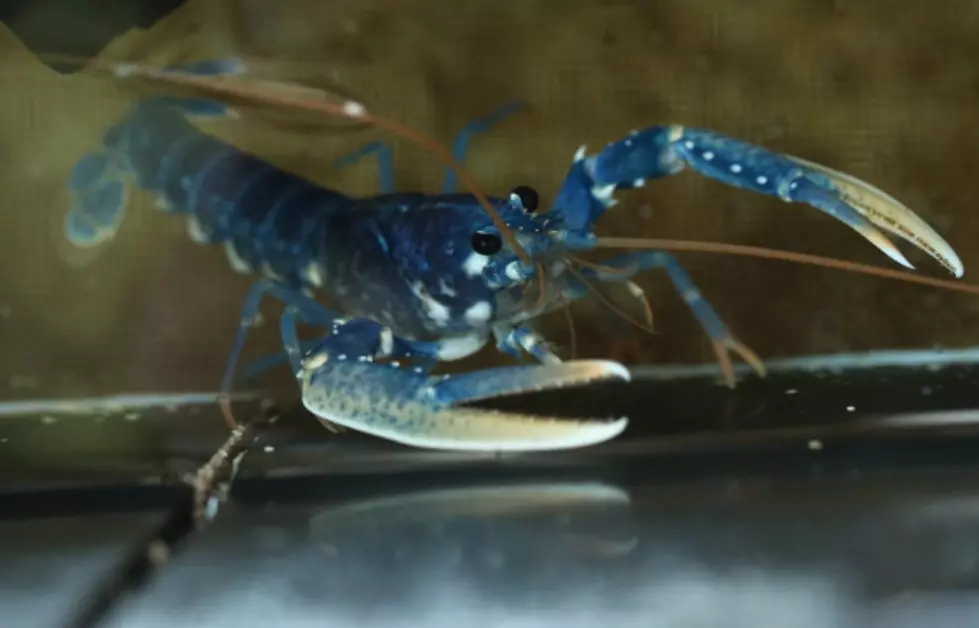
point(419, 410)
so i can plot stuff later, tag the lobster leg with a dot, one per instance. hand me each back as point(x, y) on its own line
point(385, 163)
point(723, 341)
point(343, 384)
point(309, 310)
point(423, 355)
point(460, 148)
point(665, 150)
point(254, 370)
point(515, 340)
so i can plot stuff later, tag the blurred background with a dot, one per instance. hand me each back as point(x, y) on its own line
point(884, 94)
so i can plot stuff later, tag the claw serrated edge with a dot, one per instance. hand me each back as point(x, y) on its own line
point(889, 214)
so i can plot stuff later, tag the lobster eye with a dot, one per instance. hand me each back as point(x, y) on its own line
point(528, 196)
point(486, 243)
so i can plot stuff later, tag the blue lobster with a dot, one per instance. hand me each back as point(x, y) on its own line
point(418, 279)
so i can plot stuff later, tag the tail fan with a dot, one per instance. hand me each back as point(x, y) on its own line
point(98, 189)
point(99, 183)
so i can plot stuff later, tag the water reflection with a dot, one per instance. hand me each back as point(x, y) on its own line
point(507, 539)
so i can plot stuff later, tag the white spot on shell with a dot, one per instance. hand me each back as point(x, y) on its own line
point(460, 347)
point(313, 273)
point(315, 361)
point(474, 264)
point(529, 341)
point(603, 193)
point(236, 261)
point(446, 289)
point(479, 313)
point(195, 231)
point(434, 309)
point(269, 272)
point(708, 155)
point(387, 341)
point(513, 271)
point(735, 168)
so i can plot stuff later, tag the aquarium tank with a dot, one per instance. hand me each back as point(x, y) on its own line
point(502, 314)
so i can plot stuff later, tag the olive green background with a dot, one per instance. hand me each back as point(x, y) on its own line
point(881, 90)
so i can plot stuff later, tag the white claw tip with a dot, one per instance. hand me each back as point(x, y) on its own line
point(614, 370)
point(957, 269)
point(898, 257)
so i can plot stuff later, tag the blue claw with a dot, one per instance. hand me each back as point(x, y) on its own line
point(425, 411)
point(664, 150)
point(343, 385)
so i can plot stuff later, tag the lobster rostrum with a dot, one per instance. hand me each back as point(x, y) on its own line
point(417, 279)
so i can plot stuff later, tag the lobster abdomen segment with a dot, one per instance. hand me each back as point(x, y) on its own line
point(263, 215)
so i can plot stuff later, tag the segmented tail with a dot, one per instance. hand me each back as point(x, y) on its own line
point(98, 188)
point(101, 179)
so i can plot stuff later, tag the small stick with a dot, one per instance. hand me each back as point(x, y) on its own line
point(212, 482)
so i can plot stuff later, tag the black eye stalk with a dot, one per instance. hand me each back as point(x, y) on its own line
point(528, 197)
point(486, 243)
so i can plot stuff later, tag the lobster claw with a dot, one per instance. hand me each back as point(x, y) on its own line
point(885, 212)
point(665, 150)
point(426, 411)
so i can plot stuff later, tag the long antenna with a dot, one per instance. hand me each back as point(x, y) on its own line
point(786, 256)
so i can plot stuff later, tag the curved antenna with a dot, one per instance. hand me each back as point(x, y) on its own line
point(283, 94)
point(785, 256)
point(625, 273)
point(601, 297)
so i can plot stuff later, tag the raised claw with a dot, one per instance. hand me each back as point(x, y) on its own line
point(889, 214)
point(664, 150)
point(425, 411)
